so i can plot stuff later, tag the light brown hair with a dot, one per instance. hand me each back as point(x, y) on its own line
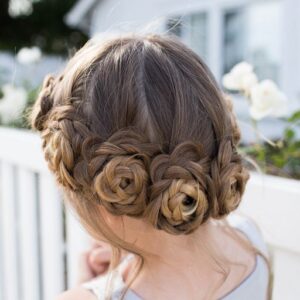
point(138, 125)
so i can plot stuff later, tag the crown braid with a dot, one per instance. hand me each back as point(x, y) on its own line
point(132, 166)
point(176, 192)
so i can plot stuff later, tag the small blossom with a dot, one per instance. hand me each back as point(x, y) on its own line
point(28, 56)
point(267, 100)
point(240, 78)
point(12, 103)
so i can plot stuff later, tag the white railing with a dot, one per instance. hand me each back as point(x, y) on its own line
point(40, 242)
point(274, 203)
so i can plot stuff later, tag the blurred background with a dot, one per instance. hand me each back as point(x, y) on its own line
point(39, 239)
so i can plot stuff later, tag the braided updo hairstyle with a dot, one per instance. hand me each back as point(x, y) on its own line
point(138, 125)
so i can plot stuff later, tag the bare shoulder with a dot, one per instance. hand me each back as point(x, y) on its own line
point(248, 228)
point(243, 223)
point(77, 293)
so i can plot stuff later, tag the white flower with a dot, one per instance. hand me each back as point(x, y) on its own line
point(240, 78)
point(12, 103)
point(28, 56)
point(267, 100)
point(20, 7)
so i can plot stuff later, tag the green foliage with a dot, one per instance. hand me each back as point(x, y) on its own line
point(282, 158)
point(44, 27)
point(295, 117)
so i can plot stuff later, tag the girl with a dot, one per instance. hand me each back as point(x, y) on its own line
point(144, 145)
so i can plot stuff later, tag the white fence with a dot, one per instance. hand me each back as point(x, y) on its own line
point(38, 251)
point(274, 203)
point(39, 242)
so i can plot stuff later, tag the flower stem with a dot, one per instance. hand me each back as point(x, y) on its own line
point(255, 128)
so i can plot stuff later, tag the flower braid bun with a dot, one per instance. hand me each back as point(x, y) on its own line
point(229, 177)
point(138, 125)
point(179, 199)
point(122, 185)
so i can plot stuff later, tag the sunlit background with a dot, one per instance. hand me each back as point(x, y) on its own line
point(39, 241)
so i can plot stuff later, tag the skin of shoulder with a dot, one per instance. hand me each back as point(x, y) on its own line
point(77, 293)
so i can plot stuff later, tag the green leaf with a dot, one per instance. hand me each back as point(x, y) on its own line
point(295, 116)
point(289, 134)
point(278, 161)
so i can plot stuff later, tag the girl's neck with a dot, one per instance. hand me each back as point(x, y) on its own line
point(179, 264)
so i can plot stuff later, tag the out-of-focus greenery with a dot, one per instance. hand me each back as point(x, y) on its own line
point(44, 27)
point(282, 157)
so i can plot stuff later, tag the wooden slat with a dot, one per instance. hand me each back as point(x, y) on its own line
point(9, 226)
point(77, 241)
point(27, 203)
point(52, 243)
point(1, 239)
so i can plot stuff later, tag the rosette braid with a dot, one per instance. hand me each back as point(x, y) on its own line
point(179, 202)
point(123, 181)
point(229, 177)
point(122, 185)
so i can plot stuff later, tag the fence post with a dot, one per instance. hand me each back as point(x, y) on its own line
point(52, 242)
point(9, 228)
point(29, 240)
point(77, 241)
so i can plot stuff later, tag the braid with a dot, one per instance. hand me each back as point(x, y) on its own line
point(115, 171)
point(179, 200)
point(43, 104)
point(183, 189)
point(122, 185)
point(107, 135)
point(63, 139)
point(229, 177)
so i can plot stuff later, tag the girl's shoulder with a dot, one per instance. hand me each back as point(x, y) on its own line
point(256, 283)
point(250, 229)
point(77, 293)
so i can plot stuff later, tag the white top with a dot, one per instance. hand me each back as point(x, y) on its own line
point(254, 286)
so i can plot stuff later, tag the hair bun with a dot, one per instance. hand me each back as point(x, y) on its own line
point(229, 177)
point(122, 185)
point(178, 202)
point(183, 206)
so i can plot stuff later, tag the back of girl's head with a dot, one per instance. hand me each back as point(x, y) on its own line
point(138, 125)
